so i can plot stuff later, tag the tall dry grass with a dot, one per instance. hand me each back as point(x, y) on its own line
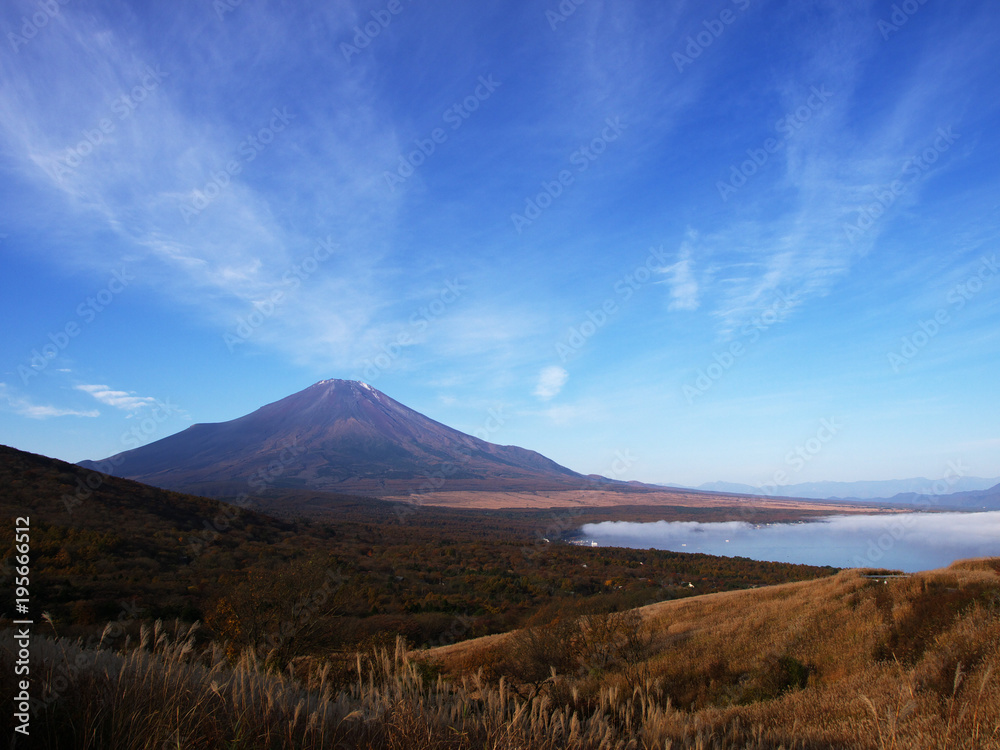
point(846, 662)
point(164, 693)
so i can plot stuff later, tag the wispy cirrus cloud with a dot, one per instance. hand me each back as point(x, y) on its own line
point(682, 282)
point(785, 231)
point(118, 399)
point(25, 407)
point(117, 141)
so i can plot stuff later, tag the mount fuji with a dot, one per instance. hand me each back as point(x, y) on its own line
point(337, 436)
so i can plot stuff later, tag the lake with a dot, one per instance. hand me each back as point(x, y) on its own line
point(905, 541)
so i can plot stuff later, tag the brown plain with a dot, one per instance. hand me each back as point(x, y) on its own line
point(610, 499)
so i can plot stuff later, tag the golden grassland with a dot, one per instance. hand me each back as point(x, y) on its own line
point(601, 498)
point(850, 661)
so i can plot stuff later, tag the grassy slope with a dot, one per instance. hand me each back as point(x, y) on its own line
point(910, 662)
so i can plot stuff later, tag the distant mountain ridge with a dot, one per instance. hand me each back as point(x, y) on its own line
point(889, 490)
point(339, 436)
point(988, 499)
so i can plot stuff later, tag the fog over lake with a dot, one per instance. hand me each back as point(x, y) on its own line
point(905, 541)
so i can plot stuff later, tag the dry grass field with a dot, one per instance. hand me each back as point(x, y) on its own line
point(851, 661)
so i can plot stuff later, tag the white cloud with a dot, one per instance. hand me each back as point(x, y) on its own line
point(683, 285)
point(117, 399)
point(24, 407)
point(550, 382)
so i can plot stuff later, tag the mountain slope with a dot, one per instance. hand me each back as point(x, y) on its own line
point(102, 545)
point(336, 435)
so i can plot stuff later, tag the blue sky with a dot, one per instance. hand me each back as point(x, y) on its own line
point(678, 242)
